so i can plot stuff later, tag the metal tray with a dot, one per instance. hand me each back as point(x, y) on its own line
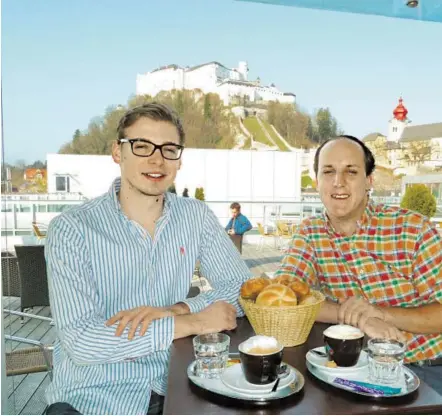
point(217, 387)
point(412, 382)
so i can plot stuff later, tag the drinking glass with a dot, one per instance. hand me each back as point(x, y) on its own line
point(211, 354)
point(385, 359)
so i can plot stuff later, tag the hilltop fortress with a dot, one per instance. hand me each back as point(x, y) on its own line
point(232, 85)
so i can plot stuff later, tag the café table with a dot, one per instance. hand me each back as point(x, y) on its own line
point(317, 397)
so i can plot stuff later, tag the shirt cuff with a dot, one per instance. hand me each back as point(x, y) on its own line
point(163, 331)
point(196, 304)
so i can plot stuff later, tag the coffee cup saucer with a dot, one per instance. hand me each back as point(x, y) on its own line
point(320, 362)
point(233, 378)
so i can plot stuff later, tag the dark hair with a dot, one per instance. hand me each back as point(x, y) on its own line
point(235, 205)
point(155, 111)
point(368, 155)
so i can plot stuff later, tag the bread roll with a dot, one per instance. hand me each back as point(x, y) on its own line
point(283, 279)
point(307, 300)
point(300, 288)
point(277, 295)
point(252, 287)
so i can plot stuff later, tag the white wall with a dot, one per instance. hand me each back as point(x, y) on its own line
point(225, 175)
point(163, 80)
point(89, 174)
point(203, 78)
point(228, 90)
point(399, 126)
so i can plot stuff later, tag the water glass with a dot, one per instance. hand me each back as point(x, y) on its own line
point(385, 359)
point(211, 354)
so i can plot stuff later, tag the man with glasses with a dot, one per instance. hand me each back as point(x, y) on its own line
point(119, 269)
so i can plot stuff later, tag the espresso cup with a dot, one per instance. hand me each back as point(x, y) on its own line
point(261, 358)
point(343, 344)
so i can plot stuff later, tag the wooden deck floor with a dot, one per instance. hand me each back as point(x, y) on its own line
point(26, 392)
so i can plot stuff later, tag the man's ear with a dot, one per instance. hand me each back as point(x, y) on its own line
point(116, 152)
point(370, 181)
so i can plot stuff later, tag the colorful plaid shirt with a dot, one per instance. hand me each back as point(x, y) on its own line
point(393, 259)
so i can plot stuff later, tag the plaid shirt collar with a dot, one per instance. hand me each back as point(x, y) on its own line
point(362, 223)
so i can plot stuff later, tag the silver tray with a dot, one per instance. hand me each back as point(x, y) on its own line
point(217, 387)
point(412, 382)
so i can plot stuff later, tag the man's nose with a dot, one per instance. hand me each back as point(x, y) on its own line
point(156, 157)
point(339, 179)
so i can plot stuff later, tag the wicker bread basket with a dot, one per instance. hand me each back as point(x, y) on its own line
point(290, 325)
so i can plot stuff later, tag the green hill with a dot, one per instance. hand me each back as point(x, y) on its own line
point(252, 125)
point(275, 137)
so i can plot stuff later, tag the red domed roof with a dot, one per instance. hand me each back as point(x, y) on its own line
point(400, 112)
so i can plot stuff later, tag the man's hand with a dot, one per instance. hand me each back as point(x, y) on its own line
point(219, 316)
point(144, 315)
point(376, 328)
point(357, 311)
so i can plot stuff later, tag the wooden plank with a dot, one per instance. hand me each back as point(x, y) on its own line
point(37, 403)
point(16, 322)
point(38, 332)
point(11, 302)
point(32, 329)
point(25, 391)
point(13, 382)
point(267, 259)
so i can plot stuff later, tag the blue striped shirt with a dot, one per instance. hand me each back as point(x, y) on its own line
point(99, 263)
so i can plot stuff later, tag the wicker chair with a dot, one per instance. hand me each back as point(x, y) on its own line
point(28, 360)
point(10, 275)
point(33, 276)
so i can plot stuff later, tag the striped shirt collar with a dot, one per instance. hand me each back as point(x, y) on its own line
point(115, 189)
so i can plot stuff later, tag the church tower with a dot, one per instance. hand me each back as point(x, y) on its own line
point(398, 123)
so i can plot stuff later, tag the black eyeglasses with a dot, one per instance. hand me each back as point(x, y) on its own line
point(145, 148)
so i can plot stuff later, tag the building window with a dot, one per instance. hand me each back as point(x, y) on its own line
point(62, 184)
point(394, 129)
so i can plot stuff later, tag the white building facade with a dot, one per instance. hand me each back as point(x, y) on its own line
point(404, 138)
point(211, 77)
point(252, 178)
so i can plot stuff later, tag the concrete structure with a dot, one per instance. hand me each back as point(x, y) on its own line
point(229, 83)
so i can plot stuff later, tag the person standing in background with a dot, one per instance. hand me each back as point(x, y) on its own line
point(239, 223)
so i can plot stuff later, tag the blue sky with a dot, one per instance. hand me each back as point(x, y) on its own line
point(64, 62)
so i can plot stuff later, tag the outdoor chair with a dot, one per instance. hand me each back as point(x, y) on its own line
point(33, 276)
point(283, 228)
point(265, 236)
point(284, 232)
point(10, 274)
point(40, 230)
point(28, 360)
